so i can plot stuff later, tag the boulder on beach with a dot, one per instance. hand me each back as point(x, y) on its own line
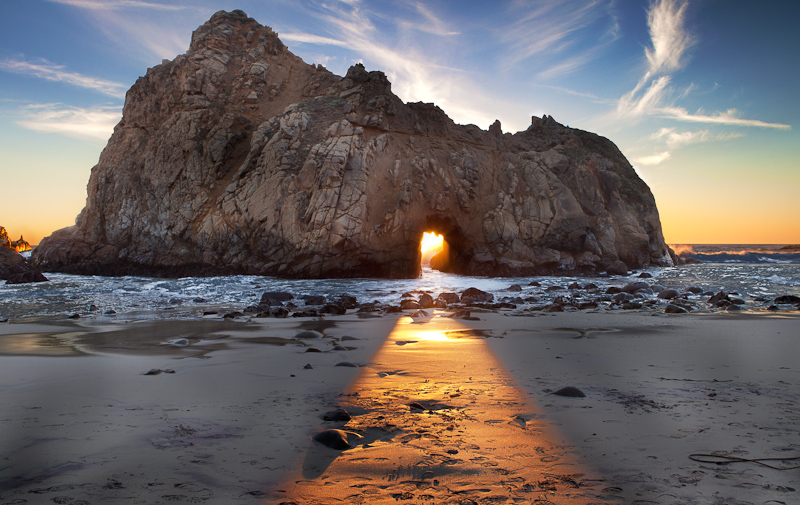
point(237, 157)
point(410, 304)
point(668, 294)
point(475, 295)
point(449, 297)
point(425, 301)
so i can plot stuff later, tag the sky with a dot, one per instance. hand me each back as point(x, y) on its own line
point(700, 95)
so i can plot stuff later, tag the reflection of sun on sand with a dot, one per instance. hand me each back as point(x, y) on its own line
point(438, 420)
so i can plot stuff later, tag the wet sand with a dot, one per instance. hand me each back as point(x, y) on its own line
point(443, 411)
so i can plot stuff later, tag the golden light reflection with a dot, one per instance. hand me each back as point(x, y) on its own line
point(431, 244)
point(431, 335)
point(439, 421)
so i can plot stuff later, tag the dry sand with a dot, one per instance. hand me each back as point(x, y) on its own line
point(81, 423)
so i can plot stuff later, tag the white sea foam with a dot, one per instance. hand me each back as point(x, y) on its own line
point(190, 296)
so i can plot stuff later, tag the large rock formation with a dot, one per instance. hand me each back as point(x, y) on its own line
point(238, 157)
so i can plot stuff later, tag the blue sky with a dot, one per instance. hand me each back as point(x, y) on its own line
point(700, 95)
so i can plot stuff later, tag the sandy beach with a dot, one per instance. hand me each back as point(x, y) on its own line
point(443, 410)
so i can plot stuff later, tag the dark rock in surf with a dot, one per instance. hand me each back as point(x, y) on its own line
point(450, 298)
point(15, 269)
point(617, 268)
point(315, 299)
point(668, 294)
point(334, 308)
point(410, 305)
point(787, 300)
point(633, 287)
point(475, 295)
point(426, 301)
point(270, 298)
point(347, 301)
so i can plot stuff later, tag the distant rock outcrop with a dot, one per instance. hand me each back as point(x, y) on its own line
point(20, 245)
point(238, 157)
point(14, 269)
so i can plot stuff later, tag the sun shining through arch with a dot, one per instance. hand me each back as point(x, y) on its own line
point(431, 244)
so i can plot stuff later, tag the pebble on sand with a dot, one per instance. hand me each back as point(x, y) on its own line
point(157, 371)
point(570, 392)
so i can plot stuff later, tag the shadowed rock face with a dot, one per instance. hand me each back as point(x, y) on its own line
point(238, 157)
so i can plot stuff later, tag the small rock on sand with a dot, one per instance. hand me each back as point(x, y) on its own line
point(157, 371)
point(335, 439)
point(570, 392)
point(337, 415)
point(308, 334)
point(675, 309)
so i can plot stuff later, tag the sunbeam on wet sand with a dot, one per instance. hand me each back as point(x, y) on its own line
point(438, 419)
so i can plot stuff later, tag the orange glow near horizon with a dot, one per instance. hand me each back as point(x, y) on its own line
point(431, 244)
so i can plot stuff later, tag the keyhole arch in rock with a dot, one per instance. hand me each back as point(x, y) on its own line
point(454, 252)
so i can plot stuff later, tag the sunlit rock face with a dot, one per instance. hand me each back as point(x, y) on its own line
point(238, 157)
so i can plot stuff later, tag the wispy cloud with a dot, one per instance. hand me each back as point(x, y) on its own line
point(653, 159)
point(308, 38)
point(135, 24)
point(44, 69)
point(675, 138)
point(119, 4)
point(670, 44)
point(668, 34)
point(412, 70)
point(729, 117)
point(95, 123)
point(430, 22)
point(545, 29)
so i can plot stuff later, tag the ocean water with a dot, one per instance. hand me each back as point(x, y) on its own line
point(756, 274)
